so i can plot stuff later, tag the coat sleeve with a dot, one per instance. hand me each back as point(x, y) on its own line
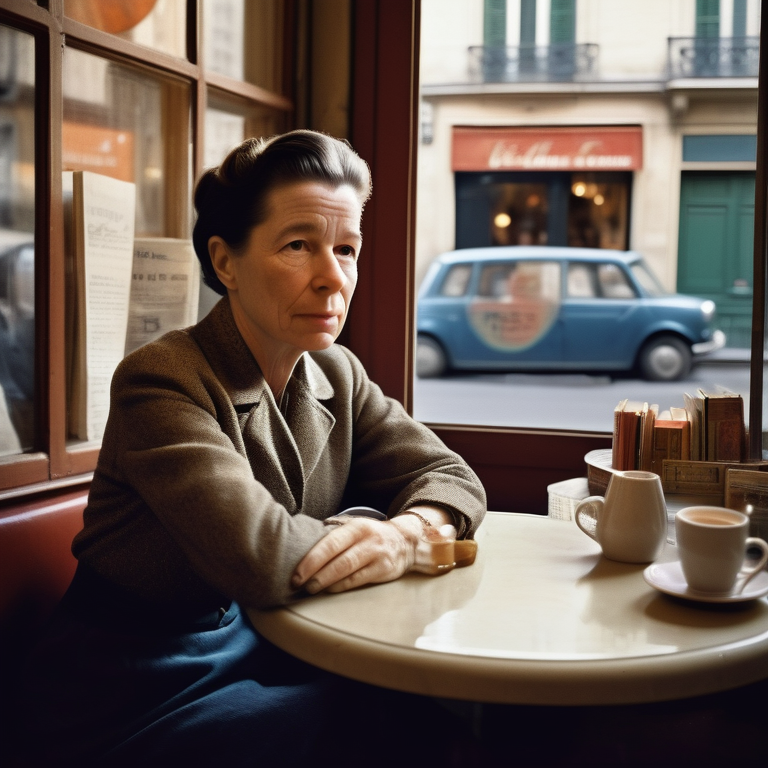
point(175, 500)
point(400, 463)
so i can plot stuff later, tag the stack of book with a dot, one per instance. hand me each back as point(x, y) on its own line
point(709, 428)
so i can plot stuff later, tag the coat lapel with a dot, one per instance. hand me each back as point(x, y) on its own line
point(282, 451)
point(310, 422)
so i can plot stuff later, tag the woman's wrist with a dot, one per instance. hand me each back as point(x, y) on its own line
point(431, 532)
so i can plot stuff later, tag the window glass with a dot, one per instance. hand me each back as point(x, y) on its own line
point(127, 124)
point(598, 211)
point(581, 282)
point(129, 132)
point(456, 280)
point(613, 282)
point(562, 163)
point(17, 252)
point(158, 24)
point(520, 214)
point(649, 282)
point(243, 40)
point(228, 121)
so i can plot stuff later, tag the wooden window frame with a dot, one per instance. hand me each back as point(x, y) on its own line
point(59, 463)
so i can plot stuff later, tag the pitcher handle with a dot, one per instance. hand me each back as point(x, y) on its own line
point(590, 507)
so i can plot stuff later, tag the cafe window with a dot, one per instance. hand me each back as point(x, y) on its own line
point(129, 104)
point(159, 25)
point(582, 163)
point(18, 414)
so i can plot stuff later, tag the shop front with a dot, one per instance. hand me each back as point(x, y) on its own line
point(545, 186)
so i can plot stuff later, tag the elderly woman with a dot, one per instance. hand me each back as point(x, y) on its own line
point(230, 449)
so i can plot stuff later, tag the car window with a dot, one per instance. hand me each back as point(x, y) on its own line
point(494, 280)
point(456, 280)
point(581, 281)
point(647, 279)
point(614, 283)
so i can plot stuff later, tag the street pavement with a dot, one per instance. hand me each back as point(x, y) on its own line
point(569, 401)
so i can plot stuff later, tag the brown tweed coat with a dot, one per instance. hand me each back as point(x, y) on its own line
point(205, 490)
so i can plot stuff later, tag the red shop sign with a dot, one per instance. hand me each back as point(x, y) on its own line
point(581, 148)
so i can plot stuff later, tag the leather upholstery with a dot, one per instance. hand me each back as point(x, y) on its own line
point(36, 563)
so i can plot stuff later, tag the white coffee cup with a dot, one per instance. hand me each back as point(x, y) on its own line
point(712, 544)
point(630, 523)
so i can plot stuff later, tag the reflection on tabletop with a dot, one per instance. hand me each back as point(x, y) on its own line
point(539, 589)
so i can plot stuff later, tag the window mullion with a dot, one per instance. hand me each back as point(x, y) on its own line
point(760, 274)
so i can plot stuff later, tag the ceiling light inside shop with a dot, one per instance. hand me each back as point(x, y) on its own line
point(579, 188)
point(502, 220)
point(598, 199)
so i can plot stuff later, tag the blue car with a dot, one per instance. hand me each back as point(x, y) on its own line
point(556, 308)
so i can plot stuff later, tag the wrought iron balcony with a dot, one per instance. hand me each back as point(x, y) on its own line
point(561, 62)
point(713, 57)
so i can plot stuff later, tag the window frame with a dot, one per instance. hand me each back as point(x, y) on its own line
point(60, 463)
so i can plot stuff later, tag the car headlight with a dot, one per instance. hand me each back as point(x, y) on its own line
point(708, 309)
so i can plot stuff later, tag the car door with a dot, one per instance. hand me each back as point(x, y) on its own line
point(512, 318)
point(601, 316)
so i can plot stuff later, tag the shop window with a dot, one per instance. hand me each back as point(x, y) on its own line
point(520, 214)
point(598, 211)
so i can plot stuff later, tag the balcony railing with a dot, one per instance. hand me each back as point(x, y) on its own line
point(533, 63)
point(713, 57)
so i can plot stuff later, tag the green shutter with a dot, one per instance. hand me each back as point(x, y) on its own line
point(527, 22)
point(494, 23)
point(708, 18)
point(739, 18)
point(562, 21)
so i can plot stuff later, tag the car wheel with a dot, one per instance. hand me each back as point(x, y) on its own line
point(665, 358)
point(431, 360)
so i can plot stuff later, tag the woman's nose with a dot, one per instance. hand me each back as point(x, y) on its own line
point(329, 276)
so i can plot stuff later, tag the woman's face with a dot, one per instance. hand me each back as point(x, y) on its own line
point(291, 286)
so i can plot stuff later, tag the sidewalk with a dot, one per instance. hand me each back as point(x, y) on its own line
point(726, 355)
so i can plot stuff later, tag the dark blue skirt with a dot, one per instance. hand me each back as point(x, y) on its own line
point(106, 689)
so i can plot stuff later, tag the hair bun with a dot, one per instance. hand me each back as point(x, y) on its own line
point(208, 190)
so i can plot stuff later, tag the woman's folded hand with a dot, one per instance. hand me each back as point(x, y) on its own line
point(364, 551)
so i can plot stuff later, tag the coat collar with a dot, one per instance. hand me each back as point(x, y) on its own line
point(237, 369)
point(292, 442)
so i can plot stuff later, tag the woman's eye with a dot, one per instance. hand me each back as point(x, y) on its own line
point(296, 245)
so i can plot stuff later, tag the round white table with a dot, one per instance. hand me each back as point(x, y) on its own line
point(540, 618)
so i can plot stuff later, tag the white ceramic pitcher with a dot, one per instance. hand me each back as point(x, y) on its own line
point(630, 523)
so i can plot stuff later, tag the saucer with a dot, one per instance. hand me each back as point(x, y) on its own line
point(668, 578)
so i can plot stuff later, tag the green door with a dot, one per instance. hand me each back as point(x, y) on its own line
point(715, 246)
